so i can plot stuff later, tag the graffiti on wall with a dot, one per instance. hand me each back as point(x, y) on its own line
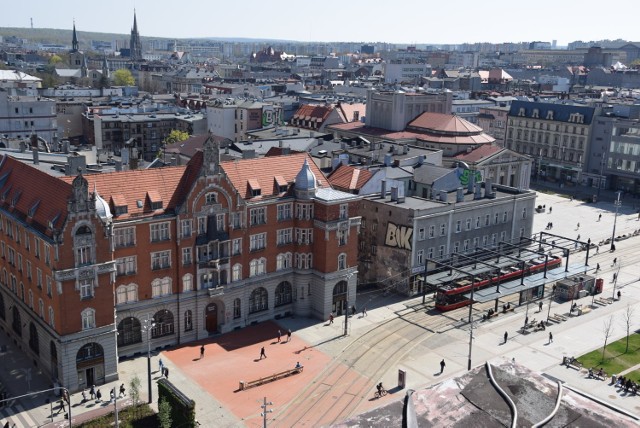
point(398, 236)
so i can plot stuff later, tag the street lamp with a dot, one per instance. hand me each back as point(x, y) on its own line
point(148, 325)
point(617, 204)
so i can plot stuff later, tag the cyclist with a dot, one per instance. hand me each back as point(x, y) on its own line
point(380, 388)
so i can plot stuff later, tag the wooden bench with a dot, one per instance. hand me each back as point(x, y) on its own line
point(584, 310)
point(572, 362)
point(599, 377)
point(276, 376)
point(511, 309)
point(603, 302)
point(555, 319)
point(560, 317)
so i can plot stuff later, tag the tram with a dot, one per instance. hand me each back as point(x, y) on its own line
point(452, 295)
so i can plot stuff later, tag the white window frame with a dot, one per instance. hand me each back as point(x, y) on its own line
point(88, 319)
point(160, 231)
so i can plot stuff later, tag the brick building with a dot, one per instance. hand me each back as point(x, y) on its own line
point(97, 267)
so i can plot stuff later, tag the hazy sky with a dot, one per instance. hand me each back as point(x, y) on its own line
point(395, 21)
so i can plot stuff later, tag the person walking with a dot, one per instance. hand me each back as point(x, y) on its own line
point(550, 209)
point(166, 372)
point(331, 318)
point(262, 353)
point(353, 310)
point(279, 334)
point(597, 249)
point(597, 267)
point(98, 396)
point(600, 217)
point(550, 337)
point(619, 294)
point(506, 337)
point(112, 394)
point(578, 226)
point(160, 366)
point(615, 276)
point(202, 352)
point(364, 311)
point(122, 390)
point(92, 392)
point(288, 335)
point(442, 366)
point(540, 306)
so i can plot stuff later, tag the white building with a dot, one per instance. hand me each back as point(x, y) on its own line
point(408, 73)
point(22, 115)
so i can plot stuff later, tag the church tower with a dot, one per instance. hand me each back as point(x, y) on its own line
point(75, 55)
point(74, 41)
point(135, 44)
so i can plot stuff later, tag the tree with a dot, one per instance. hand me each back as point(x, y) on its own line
point(627, 317)
point(123, 77)
point(607, 330)
point(134, 391)
point(164, 413)
point(55, 59)
point(175, 136)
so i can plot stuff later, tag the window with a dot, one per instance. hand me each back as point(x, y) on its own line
point(236, 272)
point(284, 212)
point(28, 270)
point(236, 222)
point(496, 218)
point(468, 222)
point(211, 198)
point(49, 286)
point(187, 283)
point(237, 308)
point(283, 261)
point(441, 251)
point(258, 216)
point(477, 222)
point(187, 256)
point(47, 255)
point(125, 237)
point(304, 236)
point(207, 280)
point(161, 260)
point(456, 247)
point(220, 224)
point(41, 308)
point(504, 217)
point(160, 232)
point(88, 319)
point(487, 219)
point(258, 267)
point(83, 255)
point(86, 288)
point(524, 213)
point(188, 321)
point(304, 261)
point(52, 319)
point(39, 278)
point(160, 287)
point(127, 294)
point(420, 257)
point(484, 240)
point(236, 246)
point(283, 294)
point(31, 299)
point(458, 226)
point(285, 236)
point(342, 237)
point(304, 211)
point(129, 332)
point(342, 261)
point(476, 242)
point(421, 234)
point(503, 235)
point(126, 266)
point(465, 245)
point(432, 231)
point(258, 300)
point(494, 237)
point(257, 241)
point(344, 212)
point(164, 324)
point(202, 225)
point(186, 228)
point(443, 229)
point(430, 253)
point(36, 244)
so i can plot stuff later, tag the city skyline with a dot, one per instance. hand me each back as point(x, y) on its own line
point(470, 22)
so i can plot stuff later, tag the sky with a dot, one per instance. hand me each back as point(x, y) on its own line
point(396, 21)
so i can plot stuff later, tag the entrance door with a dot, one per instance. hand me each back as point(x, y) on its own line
point(212, 318)
point(90, 376)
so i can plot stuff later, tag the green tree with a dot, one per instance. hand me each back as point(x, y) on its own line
point(55, 59)
point(175, 136)
point(123, 77)
point(134, 391)
point(164, 413)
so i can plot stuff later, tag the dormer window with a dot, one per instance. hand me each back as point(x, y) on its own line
point(550, 115)
point(280, 184)
point(119, 204)
point(15, 199)
point(32, 210)
point(254, 187)
point(211, 198)
point(535, 114)
point(521, 112)
point(155, 200)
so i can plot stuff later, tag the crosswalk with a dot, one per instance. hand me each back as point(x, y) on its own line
point(17, 415)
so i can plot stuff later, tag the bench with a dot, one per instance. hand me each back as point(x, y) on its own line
point(584, 310)
point(276, 376)
point(603, 302)
point(595, 375)
point(511, 309)
point(570, 361)
point(560, 317)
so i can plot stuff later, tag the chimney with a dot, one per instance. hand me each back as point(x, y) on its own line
point(387, 159)
point(118, 166)
point(36, 156)
point(394, 193)
point(471, 182)
point(488, 188)
point(383, 189)
point(174, 161)
point(248, 154)
point(65, 146)
point(405, 149)
point(460, 194)
point(478, 193)
point(443, 196)
point(286, 150)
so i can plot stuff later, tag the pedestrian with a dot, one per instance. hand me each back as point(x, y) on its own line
point(279, 334)
point(353, 310)
point(98, 396)
point(506, 337)
point(331, 318)
point(442, 366)
point(122, 390)
point(615, 276)
point(160, 365)
point(289, 335)
point(526, 321)
point(597, 267)
point(540, 306)
point(615, 261)
point(619, 294)
point(92, 392)
point(597, 249)
point(364, 311)
point(84, 396)
point(202, 352)
point(262, 353)
point(550, 209)
point(600, 217)
point(578, 226)
point(550, 337)
point(112, 394)
point(62, 407)
point(578, 238)
point(166, 372)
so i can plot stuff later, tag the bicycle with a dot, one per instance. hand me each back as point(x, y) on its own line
point(381, 393)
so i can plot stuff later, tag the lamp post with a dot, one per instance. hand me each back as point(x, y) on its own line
point(617, 204)
point(148, 325)
point(539, 163)
point(265, 411)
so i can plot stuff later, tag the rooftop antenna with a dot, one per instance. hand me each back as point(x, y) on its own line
point(31, 23)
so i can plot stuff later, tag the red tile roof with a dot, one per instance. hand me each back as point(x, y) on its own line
point(348, 178)
point(479, 153)
point(264, 170)
point(312, 112)
point(26, 186)
point(348, 111)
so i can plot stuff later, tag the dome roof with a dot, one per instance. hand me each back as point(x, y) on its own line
point(102, 207)
point(305, 180)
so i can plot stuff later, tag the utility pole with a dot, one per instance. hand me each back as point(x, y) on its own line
point(265, 411)
point(617, 204)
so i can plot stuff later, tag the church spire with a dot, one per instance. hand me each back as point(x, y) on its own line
point(74, 41)
point(135, 44)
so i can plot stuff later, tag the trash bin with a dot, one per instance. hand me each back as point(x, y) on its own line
point(241, 387)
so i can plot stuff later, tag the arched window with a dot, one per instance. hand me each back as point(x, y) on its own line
point(187, 283)
point(88, 319)
point(258, 267)
point(188, 321)
point(90, 352)
point(283, 294)
point(342, 261)
point(161, 287)
point(164, 324)
point(34, 342)
point(41, 308)
point(236, 273)
point(340, 288)
point(83, 243)
point(237, 308)
point(121, 295)
point(17, 322)
point(126, 294)
point(129, 331)
point(21, 291)
point(52, 319)
point(259, 300)
point(283, 261)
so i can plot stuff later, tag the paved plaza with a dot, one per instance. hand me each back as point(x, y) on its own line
point(397, 333)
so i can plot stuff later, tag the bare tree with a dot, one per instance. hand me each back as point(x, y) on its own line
point(607, 330)
point(627, 318)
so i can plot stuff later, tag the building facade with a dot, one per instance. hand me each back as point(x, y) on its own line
point(393, 110)
point(20, 116)
point(98, 267)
